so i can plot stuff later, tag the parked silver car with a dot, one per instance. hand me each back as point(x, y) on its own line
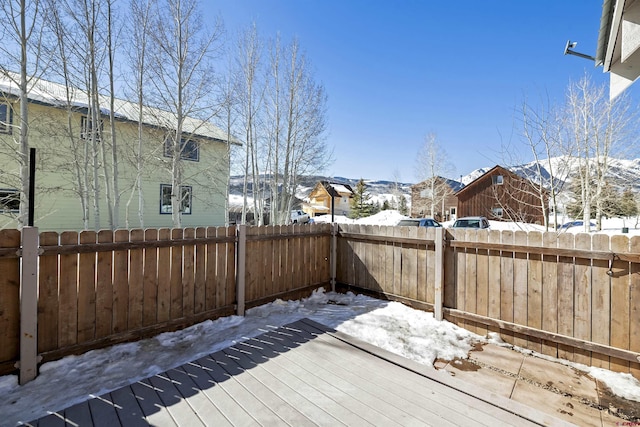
point(419, 222)
point(471, 222)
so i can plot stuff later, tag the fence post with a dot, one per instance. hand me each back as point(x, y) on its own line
point(29, 306)
point(439, 274)
point(241, 258)
point(334, 254)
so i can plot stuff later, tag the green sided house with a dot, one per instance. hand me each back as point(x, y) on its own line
point(75, 187)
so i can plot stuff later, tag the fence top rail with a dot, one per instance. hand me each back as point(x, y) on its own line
point(386, 239)
point(254, 237)
point(541, 250)
point(121, 246)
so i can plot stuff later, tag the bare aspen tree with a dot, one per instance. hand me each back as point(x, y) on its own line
point(138, 62)
point(182, 80)
point(600, 129)
point(543, 131)
point(297, 119)
point(250, 96)
point(432, 164)
point(23, 32)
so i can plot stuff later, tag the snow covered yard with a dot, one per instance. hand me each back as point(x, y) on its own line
point(390, 325)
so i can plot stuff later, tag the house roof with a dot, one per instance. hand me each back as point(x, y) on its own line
point(54, 94)
point(455, 185)
point(490, 172)
point(336, 189)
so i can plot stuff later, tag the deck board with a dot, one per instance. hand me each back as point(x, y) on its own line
point(300, 374)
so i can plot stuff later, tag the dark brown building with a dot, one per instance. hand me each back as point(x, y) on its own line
point(439, 191)
point(500, 194)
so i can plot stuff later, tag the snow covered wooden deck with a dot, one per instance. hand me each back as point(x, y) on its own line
point(300, 374)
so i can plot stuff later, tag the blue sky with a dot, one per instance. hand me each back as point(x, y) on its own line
point(397, 70)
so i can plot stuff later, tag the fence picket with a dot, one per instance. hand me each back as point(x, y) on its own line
point(506, 284)
point(549, 293)
point(87, 289)
point(68, 314)
point(164, 277)
point(212, 289)
point(121, 284)
point(150, 280)
point(175, 282)
point(620, 302)
point(200, 268)
point(136, 282)
point(482, 280)
point(582, 299)
point(534, 291)
point(104, 289)
point(188, 273)
point(634, 309)
point(566, 287)
point(48, 294)
point(494, 279)
point(600, 300)
point(10, 301)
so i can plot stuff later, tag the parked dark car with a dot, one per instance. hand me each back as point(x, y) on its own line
point(471, 222)
point(419, 222)
point(575, 224)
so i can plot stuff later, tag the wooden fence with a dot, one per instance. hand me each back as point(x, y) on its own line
point(98, 289)
point(573, 297)
point(576, 297)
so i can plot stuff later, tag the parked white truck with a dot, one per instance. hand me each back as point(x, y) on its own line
point(299, 217)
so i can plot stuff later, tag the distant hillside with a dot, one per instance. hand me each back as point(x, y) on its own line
point(379, 190)
point(622, 173)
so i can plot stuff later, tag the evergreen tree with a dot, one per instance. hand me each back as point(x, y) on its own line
point(403, 208)
point(385, 205)
point(360, 205)
point(628, 204)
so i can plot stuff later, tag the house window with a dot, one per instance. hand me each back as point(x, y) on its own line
point(6, 118)
point(165, 199)
point(87, 129)
point(497, 179)
point(189, 149)
point(9, 201)
point(497, 212)
point(426, 193)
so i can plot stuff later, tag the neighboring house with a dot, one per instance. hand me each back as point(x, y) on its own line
point(618, 44)
point(58, 129)
point(320, 199)
point(500, 194)
point(439, 191)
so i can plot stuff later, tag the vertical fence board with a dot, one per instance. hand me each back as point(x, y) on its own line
point(634, 309)
point(620, 299)
point(397, 263)
point(549, 293)
point(210, 282)
point(121, 284)
point(175, 281)
point(10, 301)
point(253, 265)
point(271, 257)
point(450, 291)
point(601, 300)
point(68, 314)
point(582, 320)
point(471, 278)
point(429, 260)
point(164, 277)
point(411, 264)
point(461, 280)
point(494, 279)
point(506, 284)
point(221, 270)
point(229, 267)
point(566, 288)
point(48, 295)
point(136, 282)
point(199, 290)
point(482, 281)
point(534, 291)
point(87, 290)
point(104, 290)
point(150, 280)
point(520, 282)
point(188, 274)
